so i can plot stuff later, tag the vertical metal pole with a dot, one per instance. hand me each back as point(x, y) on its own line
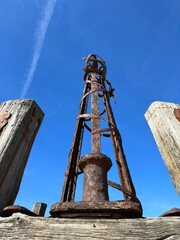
point(95, 119)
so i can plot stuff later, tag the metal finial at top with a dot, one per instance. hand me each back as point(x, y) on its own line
point(93, 63)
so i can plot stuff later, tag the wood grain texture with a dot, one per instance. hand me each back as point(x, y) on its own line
point(16, 139)
point(165, 128)
point(23, 227)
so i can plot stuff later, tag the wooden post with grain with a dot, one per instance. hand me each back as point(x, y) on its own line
point(23, 227)
point(19, 124)
point(164, 121)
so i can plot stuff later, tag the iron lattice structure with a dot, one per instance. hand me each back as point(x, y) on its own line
point(95, 165)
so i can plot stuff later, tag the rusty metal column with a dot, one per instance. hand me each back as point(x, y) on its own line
point(95, 165)
point(95, 118)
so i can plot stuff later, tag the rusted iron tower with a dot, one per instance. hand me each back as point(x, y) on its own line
point(95, 165)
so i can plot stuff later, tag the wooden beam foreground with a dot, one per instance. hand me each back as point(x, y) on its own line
point(23, 227)
point(164, 121)
point(19, 124)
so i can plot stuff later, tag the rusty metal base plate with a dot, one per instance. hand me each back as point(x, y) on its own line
point(118, 209)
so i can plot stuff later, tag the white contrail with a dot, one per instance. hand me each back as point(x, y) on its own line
point(39, 40)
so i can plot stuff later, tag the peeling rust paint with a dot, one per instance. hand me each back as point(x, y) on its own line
point(4, 116)
point(177, 114)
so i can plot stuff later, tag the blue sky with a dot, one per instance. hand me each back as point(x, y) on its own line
point(42, 44)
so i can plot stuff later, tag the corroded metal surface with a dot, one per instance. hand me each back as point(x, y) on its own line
point(174, 212)
point(95, 121)
point(95, 167)
point(68, 192)
point(120, 188)
point(119, 209)
point(9, 210)
point(37, 211)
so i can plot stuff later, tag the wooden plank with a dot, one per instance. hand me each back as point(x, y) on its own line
point(24, 227)
point(165, 127)
point(16, 138)
point(39, 208)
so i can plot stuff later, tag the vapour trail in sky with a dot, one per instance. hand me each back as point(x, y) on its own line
point(39, 40)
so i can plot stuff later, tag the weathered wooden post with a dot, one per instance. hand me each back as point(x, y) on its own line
point(39, 208)
point(164, 121)
point(19, 124)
